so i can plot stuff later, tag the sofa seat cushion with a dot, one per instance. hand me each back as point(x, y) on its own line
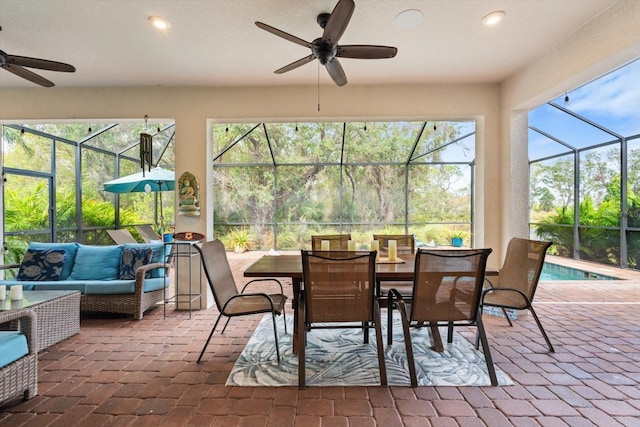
point(13, 346)
point(61, 285)
point(26, 286)
point(70, 250)
point(97, 263)
point(41, 264)
point(110, 287)
point(155, 283)
point(121, 287)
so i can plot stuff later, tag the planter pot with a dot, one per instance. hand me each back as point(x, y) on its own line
point(456, 241)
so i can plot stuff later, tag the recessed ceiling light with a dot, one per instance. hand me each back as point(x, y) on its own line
point(408, 19)
point(159, 22)
point(493, 18)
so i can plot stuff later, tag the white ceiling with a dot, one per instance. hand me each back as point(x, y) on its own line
point(216, 43)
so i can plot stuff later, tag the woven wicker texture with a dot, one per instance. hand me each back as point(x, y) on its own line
point(21, 376)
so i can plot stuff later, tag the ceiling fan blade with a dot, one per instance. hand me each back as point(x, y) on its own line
point(338, 21)
point(42, 64)
point(26, 74)
point(366, 51)
point(286, 36)
point(296, 64)
point(336, 72)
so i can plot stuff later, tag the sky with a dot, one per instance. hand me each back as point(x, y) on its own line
point(612, 101)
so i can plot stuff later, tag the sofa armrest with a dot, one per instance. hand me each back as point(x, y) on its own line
point(142, 271)
point(27, 327)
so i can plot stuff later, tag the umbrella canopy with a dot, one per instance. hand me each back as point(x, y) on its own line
point(157, 179)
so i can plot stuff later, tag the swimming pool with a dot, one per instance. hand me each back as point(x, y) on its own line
point(559, 272)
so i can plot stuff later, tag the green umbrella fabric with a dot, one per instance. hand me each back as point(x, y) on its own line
point(157, 179)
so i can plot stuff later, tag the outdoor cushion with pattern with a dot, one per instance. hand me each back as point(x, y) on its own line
point(131, 259)
point(160, 254)
point(41, 264)
point(70, 250)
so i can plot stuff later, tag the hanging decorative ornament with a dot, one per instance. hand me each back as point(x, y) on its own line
point(146, 149)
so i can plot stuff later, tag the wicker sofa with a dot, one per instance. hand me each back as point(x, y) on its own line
point(18, 359)
point(107, 283)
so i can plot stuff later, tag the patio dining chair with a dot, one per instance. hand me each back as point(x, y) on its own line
point(338, 293)
point(122, 236)
point(229, 301)
point(405, 247)
point(406, 243)
point(337, 242)
point(515, 286)
point(447, 287)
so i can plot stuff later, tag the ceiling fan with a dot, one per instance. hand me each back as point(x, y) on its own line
point(15, 64)
point(326, 48)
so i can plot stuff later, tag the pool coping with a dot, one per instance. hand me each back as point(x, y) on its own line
point(592, 267)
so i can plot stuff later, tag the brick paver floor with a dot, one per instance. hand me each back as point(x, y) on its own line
point(122, 372)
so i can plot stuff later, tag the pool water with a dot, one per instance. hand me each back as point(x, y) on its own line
point(559, 272)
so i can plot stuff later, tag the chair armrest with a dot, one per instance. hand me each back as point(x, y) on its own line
point(252, 294)
point(394, 294)
point(28, 328)
point(492, 289)
point(270, 279)
point(142, 271)
point(501, 289)
point(9, 266)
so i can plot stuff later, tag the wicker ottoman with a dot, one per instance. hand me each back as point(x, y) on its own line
point(57, 314)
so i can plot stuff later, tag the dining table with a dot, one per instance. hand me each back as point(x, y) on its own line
point(290, 266)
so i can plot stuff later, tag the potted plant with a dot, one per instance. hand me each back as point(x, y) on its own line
point(457, 237)
point(240, 240)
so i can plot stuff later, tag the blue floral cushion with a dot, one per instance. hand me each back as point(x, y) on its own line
point(70, 250)
point(131, 259)
point(41, 264)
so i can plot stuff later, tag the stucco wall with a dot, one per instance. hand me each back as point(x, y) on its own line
point(193, 107)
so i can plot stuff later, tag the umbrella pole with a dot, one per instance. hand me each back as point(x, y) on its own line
point(161, 215)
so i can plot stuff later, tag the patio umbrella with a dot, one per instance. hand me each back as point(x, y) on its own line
point(158, 179)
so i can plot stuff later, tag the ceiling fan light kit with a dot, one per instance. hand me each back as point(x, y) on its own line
point(326, 48)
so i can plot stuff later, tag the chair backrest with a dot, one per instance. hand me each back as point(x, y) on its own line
point(448, 284)
point(122, 236)
point(337, 242)
point(338, 285)
point(216, 268)
point(406, 243)
point(523, 264)
point(147, 233)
